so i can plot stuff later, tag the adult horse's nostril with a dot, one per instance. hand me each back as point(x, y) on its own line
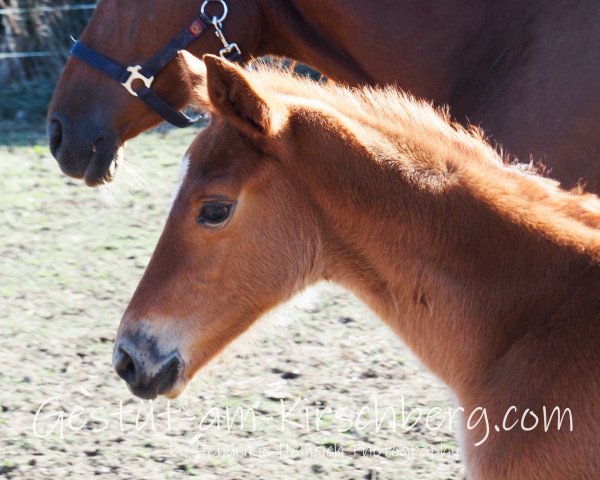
point(125, 366)
point(82, 149)
point(55, 135)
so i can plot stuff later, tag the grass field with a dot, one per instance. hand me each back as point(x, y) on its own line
point(319, 390)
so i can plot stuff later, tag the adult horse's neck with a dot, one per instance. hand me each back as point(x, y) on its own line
point(439, 47)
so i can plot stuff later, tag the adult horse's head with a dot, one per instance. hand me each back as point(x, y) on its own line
point(240, 239)
point(91, 115)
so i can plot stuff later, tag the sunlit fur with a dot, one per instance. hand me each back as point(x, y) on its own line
point(488, 271)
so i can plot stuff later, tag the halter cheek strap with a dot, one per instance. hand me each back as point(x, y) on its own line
point(147, 71)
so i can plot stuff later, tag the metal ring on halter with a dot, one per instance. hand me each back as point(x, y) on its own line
point(223, 4)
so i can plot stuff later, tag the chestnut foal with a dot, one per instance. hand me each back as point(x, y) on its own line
point(488, 271)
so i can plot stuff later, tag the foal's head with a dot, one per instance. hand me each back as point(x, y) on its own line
point(240, 239)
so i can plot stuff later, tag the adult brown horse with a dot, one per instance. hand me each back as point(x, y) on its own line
point(527, 72)
point(490, 273)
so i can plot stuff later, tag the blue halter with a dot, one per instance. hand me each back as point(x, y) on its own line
point(147, 71)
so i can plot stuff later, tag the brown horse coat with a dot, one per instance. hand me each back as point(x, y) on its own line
point(527, 72)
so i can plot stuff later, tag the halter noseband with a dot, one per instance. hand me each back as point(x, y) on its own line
point(147, 71)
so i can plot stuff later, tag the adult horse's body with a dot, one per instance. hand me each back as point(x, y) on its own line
point(489, 273)
point(528, 72)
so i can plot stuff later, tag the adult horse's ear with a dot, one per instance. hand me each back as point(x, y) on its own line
point(232, 95)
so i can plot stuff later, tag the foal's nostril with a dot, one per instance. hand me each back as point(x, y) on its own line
point(55, 136)
point(168, 374)
point(146, 371)
point(125, 366)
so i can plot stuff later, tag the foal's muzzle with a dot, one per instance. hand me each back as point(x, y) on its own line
point(148, 373)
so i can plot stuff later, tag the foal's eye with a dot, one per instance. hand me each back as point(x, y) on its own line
point(214, 213)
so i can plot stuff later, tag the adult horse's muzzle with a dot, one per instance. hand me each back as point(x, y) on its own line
point(147, 372)
point(83, 150)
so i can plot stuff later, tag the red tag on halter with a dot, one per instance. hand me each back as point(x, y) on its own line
point(196, 28)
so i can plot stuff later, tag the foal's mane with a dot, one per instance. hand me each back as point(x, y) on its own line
point(399, 128)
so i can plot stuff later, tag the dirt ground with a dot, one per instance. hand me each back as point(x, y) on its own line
point(325, 391)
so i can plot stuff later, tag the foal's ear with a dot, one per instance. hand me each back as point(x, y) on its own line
point(193, 73)
point(232, 95)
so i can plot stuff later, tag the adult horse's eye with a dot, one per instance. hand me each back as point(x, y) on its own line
point(214, 213)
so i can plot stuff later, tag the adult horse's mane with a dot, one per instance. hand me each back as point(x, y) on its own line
point(394, 125)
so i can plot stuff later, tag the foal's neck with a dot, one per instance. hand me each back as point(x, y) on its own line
point(461, 262)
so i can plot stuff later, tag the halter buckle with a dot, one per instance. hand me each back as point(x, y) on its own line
point(228, 49)
point(134, 74)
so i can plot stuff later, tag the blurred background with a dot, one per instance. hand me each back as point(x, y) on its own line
point(34, 44)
